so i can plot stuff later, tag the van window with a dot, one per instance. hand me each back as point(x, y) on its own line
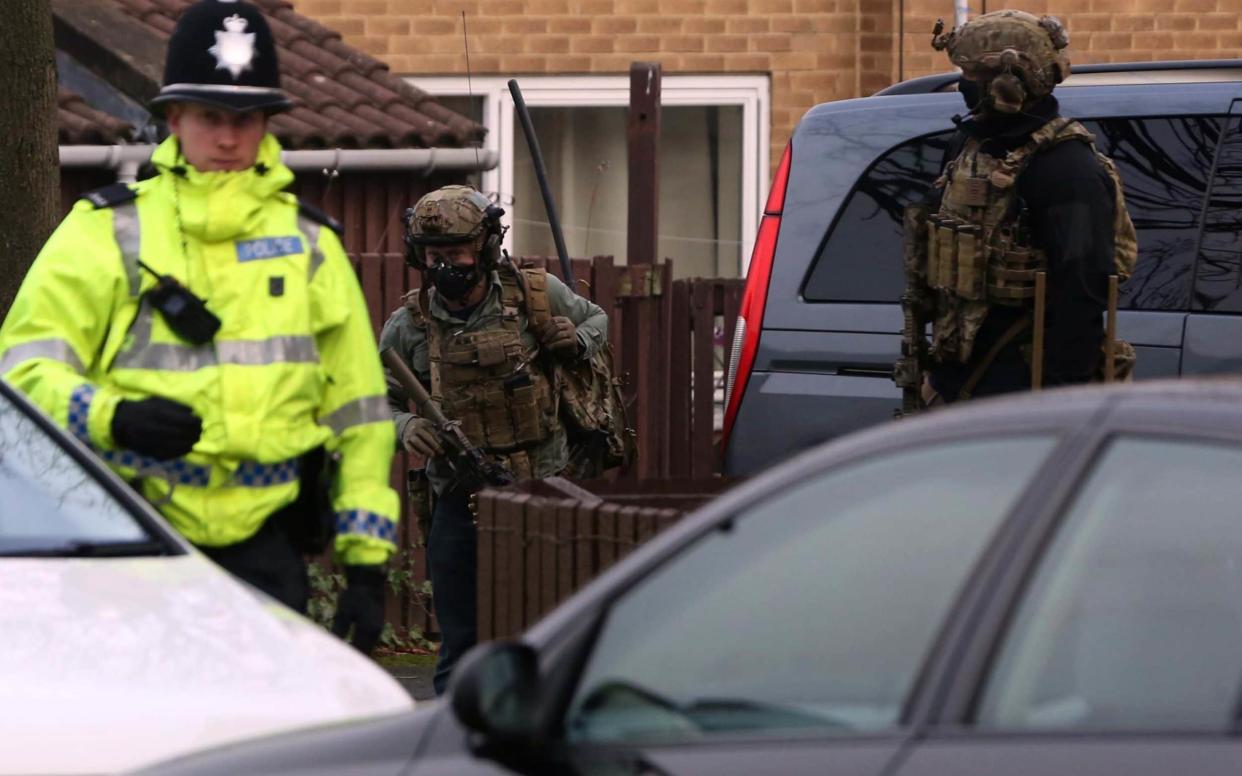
point(1165, 164)
point(861, 259)
point(1218, 275)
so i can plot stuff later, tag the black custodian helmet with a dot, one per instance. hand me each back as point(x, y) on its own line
point(222, 54)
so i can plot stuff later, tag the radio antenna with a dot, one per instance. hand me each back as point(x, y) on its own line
point(465, 40)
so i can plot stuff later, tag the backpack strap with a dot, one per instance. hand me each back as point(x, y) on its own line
point(416, 303)
point(538, 307)
point(526, 288)
point(413, 304)
point(1055, 131)
point(512, 295)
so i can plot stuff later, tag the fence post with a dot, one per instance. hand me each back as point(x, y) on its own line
point(702, 462)
point(487, 571)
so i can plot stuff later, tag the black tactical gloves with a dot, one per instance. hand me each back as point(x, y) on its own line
point(361, 606)
point(156, 427)
point(560, 336)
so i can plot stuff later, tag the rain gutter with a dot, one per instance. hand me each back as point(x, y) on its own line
point(126, 159)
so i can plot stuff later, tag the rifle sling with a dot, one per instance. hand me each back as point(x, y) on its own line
point(1015, 328)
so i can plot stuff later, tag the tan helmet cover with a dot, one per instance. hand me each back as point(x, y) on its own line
point(1014, 42)
point(449, 215)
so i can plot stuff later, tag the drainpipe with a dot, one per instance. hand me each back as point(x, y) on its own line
point(126, 159)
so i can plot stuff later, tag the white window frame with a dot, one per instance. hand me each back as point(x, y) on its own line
point(751, 92)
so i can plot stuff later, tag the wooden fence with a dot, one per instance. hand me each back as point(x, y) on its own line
point(669, 338)
point(536, 550)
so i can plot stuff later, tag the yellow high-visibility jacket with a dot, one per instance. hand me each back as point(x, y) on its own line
point(293, 366)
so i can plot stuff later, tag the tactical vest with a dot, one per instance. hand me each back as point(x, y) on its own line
point(979, 251)
point(488, 380)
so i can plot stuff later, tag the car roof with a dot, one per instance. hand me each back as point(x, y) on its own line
point(1109, 73)
point(1203, 407)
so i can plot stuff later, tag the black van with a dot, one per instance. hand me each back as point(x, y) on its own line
point(820, 325)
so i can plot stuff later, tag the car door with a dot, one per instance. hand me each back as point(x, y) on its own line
point(792, 638)
point(1120, 653)
point(1213, 343)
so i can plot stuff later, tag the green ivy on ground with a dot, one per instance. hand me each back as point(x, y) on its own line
point(326, 584)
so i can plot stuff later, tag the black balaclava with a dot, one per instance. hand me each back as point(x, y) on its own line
point(970, 93)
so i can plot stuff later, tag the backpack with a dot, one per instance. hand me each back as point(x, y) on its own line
point(592, 408)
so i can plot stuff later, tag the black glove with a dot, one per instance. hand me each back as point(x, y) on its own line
point(156, 427)
point(361, 605)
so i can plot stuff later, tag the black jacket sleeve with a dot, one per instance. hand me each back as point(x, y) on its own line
point(1069, 199)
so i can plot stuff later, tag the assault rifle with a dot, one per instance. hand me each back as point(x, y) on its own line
point(915, 307)
point(472, 469)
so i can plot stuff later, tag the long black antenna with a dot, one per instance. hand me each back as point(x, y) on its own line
point(465, 40)
point(541, 175)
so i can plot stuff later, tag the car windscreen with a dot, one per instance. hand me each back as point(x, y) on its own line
point(51, 504)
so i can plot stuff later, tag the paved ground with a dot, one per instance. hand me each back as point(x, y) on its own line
point(416, 679)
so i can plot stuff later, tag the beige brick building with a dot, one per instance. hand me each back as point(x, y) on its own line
point(806, 51)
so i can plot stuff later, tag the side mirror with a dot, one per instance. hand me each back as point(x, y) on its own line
point(494, 691)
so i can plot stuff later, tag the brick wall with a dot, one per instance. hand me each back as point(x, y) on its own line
point(814, 50)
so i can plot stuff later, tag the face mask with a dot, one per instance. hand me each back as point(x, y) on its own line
point(455, 283)
point(970, 93)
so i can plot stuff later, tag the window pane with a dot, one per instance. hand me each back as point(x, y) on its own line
point(584, 150)
point(861, 260)
point(1219, 273)
point(48, 499)
point(814, 610)
point(1134, 619)
point(1164, 164)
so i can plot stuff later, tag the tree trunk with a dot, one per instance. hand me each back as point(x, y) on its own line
point(29, 164)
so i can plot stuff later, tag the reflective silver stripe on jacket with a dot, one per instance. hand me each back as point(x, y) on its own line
point(274, 350)
point(368, 409)
point(310, 230)
point(128, 234)
point(54, 349)
point(361, 522)
point(172, 357)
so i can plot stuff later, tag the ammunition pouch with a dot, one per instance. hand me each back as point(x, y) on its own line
point(1124, 359)
point(964, 265)
point(503, 403)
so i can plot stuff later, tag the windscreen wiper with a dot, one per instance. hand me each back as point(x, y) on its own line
point(86, 549)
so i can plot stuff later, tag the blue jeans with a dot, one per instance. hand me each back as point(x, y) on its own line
point(452, 559)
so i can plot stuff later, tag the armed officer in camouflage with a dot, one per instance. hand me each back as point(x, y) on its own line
point(484, 336)
point(1025, 191)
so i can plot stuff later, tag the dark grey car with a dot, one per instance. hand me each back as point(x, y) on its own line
point(1033, 586)
point(821, 323)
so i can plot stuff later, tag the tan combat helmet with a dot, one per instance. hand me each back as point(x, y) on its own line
point(452, 215)
point(1015, 57)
